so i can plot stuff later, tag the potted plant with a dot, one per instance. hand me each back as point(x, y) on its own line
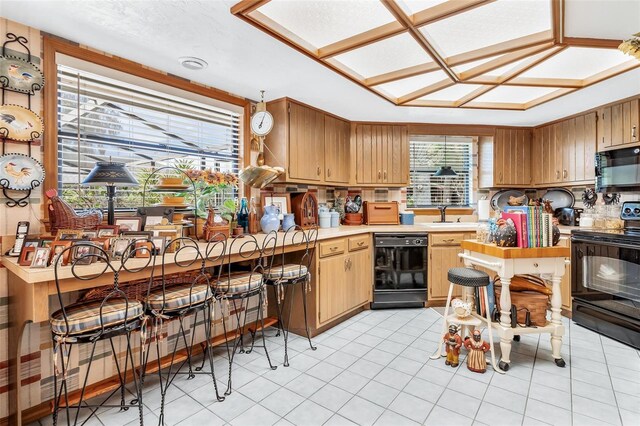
point(212, 190)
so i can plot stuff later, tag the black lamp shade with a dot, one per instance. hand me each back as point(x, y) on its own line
point(445, 171)
point(110, 174)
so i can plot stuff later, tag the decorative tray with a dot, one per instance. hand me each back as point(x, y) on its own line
point(20, 172)
point(19, 123)
point(18, 75)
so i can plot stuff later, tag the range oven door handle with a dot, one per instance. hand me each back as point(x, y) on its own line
point(606, 243)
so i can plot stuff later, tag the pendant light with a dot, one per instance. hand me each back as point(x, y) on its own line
point(445, 171)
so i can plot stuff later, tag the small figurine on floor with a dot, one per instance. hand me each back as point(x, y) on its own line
point(453, 343)
point(477, 348)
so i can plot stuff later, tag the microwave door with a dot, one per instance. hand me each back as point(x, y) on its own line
point(618, 170)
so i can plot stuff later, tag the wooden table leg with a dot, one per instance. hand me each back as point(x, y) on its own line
point(556, 320)
point(505, 322)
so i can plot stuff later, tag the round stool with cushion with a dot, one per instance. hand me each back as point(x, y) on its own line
point(469, 279)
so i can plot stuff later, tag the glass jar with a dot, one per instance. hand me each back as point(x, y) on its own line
point(482, 232)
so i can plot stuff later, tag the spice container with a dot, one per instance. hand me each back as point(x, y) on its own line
point(325, 219)
point(335, 219)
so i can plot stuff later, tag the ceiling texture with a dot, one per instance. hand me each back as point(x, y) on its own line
point(403, 60)
point(491, 54)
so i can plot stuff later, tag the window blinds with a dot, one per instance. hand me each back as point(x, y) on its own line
point(427, 154)
point(100, 119)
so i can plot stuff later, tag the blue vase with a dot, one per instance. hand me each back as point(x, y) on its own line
point(288, 222)
point(270, 221)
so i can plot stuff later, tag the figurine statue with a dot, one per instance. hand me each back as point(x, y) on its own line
point(452, 343)
point(477, 348)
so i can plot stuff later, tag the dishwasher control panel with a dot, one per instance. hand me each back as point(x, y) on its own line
point(394, 240)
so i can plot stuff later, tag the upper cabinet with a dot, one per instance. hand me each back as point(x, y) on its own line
point(563, 152)
point(312, 146)
point(618, 125)
point(505, 160)
point(381, 154)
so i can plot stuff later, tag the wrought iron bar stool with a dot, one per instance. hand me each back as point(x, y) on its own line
point(111, 316)
point(234, 289)
point(285, 277)
point(468, 278)
point(185, 291)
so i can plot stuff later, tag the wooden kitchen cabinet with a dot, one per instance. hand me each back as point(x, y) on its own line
point(511, 153)
point(336, 150)
point(332, 287)
point(443, 255)
point(618, 125)
point(306, 143)
point(381, 154)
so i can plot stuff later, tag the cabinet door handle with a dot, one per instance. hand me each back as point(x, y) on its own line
point(564, 174)
point(633, 132)
point(329, 172)
point(500, 177)
point(379, 174)
point(385, 175)
point(360, 243)
point(346, 263)
point(557, 174)
point(448, 240)
point(350, 263)
point(318, 171)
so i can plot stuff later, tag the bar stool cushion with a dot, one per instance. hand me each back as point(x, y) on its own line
point(238, 283)
point(286, 272)
point(178, 296)
point(85, 317)
point(468, 277)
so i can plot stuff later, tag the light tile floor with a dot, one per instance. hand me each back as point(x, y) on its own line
point(375, 369)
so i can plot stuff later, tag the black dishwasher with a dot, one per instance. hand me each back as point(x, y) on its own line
point(399, 271)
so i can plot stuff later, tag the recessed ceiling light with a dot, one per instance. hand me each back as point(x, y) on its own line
point(193, 63)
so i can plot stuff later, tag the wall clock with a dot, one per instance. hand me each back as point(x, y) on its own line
point(262, 120)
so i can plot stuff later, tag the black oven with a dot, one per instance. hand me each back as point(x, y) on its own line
point(605, 281)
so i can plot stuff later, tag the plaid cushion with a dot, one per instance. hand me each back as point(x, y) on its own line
point(85, 317)
point(286, 272)
point(176, 297)
point(241, 282)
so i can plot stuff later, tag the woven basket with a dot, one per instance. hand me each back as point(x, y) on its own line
point(535, 302)
point(137, 290)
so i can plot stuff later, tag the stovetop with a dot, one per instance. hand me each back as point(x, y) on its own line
point(630, 213)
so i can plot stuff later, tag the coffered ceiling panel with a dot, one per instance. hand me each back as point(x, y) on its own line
point(495, 54)
point(493, 23)
point(388, 55)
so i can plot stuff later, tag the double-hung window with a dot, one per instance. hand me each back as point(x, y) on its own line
point(427, 154)
point(102, 119)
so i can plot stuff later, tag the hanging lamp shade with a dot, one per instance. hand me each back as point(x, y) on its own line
point(445, 171)
point(110, 174)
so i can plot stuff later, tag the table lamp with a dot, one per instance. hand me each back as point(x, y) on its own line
point(111, 175)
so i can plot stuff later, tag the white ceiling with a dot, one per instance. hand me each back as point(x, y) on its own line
point(244, 60)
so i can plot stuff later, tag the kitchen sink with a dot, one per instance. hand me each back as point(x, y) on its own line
point(452, 225)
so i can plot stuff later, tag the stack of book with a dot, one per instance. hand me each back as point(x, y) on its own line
point(534, 227)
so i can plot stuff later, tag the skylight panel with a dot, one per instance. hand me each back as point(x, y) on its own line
point(469, 65)
point(489, 24)
point(390, 54)
point(405, 86)
point(453, 93)
point(514, 94)
point(321, 23)
point(577, 63)
point(413, 6)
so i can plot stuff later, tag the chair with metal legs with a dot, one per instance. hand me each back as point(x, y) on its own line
point(185, 292)
point(285, 277)
point(110, 317)
point(235, 289)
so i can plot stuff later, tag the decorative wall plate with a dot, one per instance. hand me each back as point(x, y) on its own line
point(21, 124)
point(560, 198)
point(500, 199)
point(19, 75)
point(20, 172)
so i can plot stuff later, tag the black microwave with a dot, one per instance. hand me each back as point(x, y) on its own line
point(618, 170)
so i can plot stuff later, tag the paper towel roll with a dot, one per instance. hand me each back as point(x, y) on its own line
point(483, 209)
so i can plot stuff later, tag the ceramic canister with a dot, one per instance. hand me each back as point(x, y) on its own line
point(288, 221)
point(325, 219)
point(335, 219)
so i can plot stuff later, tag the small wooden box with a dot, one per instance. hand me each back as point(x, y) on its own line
point(386, 213)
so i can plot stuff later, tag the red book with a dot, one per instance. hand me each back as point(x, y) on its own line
point(520, 222)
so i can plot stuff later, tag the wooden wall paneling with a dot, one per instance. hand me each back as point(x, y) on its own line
point(617, 137)
point(536, 154)
point(590, 144)
point(366, 153)
point(527, 136)
point(580, 157)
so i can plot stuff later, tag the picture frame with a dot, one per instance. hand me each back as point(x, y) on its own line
point(129, 223)
point(46, 242)
point(137, 235)
point(108, 231)
point(169, 236)
point(31, 242)
point(282, 201)
point(154, 212)
point(158, 244)
point(102, 242)
point(40, 257)
point(153, 221)
point(26, 256)
point(57, 247)
point(118, 247)
point(89, 234)
point(143, 249)
point(81, 251)
point(69, 234)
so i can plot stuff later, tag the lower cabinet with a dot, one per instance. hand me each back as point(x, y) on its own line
point(344, 277)
point(443, 255)
point(565, 285)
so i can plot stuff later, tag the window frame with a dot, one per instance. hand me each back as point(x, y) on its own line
point(453, 209)
point(52, 46)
